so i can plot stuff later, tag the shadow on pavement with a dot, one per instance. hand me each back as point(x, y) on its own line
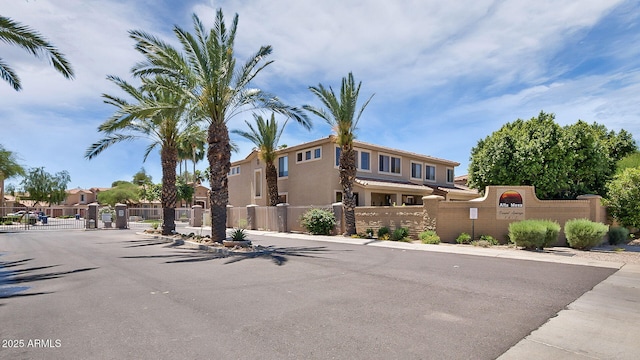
point(278, 255)
point(21, 277)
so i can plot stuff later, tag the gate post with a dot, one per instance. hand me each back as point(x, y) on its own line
point(121, 216)
point(196, 216)
point(281, 211)
point(252, 221)
point(92, 216)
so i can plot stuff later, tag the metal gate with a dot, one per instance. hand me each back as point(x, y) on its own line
point(45, 218)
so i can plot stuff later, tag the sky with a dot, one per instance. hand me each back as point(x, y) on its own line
point(443, 75)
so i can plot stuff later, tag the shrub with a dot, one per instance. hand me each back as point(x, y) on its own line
point(369, 233)
point(489, 240)
point(618, 235)
point(238, 235)
point(584, 234)
point(463, 238)
point(383, 233)
point(155, 224)
point(529, 234)
point(400, 234)
point(318, 221)
point(429, 237)
point(551, 236)
point(481, 243)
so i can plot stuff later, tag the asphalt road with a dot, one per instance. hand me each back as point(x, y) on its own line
point(116, 295)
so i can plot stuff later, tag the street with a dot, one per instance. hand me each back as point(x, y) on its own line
point(112, 294)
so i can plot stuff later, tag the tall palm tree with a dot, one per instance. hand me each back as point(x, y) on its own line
point(155, 114)
point(265, 136)
point(218, 91)
point(191, 147)
point(340, 114)
point(17, 34)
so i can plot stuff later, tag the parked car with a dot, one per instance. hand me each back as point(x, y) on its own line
point(21, 213)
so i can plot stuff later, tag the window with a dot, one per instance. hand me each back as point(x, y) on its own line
point(450, 176)
point(283, 166)
point(338, 151)
point(308, 155)
point(282, 198)
point(430, 172)
point(234, 171)
point(389, 164)
point(258, 183)
point(82, 199)
point(365, 161)
point(416, 170)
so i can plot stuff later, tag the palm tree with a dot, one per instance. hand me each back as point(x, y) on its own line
point(217, 89)
point(17, 34)
point(340, 115)
point(9, 168)
point(156, 114)
point(191, 147)
point(265, 136)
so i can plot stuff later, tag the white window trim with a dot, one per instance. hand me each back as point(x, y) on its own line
point(255, 186)
point(359, 160)
point(411, 170)
point(278, 169)
point(231, 171)
point(389, 172)
point(313, 150)
point(435, 173)
point(453, 177)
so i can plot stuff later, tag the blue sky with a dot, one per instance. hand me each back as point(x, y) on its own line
point(444, 74)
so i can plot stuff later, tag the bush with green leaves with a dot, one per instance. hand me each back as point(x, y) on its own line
point(529, 234)
point(551, 236)
point(429, 237)
point(383, 233)
point(624, 197)
point(400, 234)
point(463, 238)
point(489, 239)
point(318, 221)
point(618, 235)
point(584, 234)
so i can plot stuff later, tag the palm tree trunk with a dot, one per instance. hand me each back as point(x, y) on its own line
point(219, 156)
point(347, 177)
point(272, 184)
point(169, 159)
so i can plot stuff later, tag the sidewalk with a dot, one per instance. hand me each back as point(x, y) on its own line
point(604, 323)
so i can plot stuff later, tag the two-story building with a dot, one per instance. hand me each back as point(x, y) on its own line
point(308, 175)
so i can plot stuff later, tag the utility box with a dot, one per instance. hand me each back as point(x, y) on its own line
point(121, 216)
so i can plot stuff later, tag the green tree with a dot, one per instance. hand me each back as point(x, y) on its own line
point(124, 193)
point(156, 114)
point(561, 162)
point(265, 136)
point(340, 114)
point(624, 197)
point(217, 89)
point(23, 36)
point(45, 187)
point(9, 168)
point(141, 178)
point(630, 161)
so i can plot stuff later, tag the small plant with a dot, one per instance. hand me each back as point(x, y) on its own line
point(318, 221)
point(481, 243)
point(400, 234)
point(429, 237)
point(383, 233)
point(242, 223)
point(489, 240)
point(584, 234)
point(463, 238)
point(238, 235)
point(369, 233)
point(155, 224)
point(618, 235)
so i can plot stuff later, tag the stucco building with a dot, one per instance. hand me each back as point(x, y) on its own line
point(308, 175)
